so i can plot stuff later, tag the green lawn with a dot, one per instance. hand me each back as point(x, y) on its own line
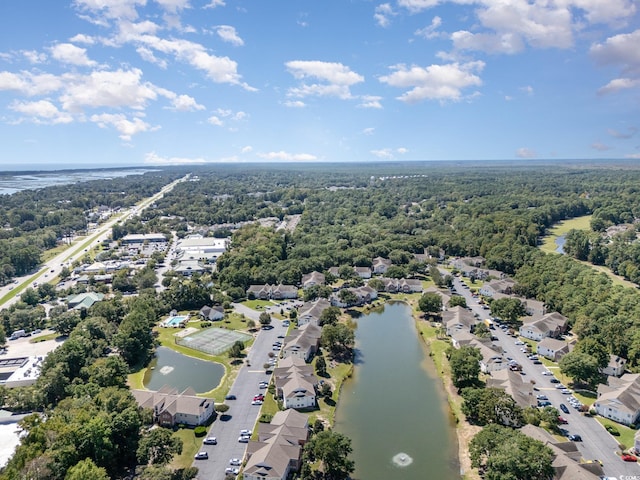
point(561, 228)
point(190, 446)
point(627, 435)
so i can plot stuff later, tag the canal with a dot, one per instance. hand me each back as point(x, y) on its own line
point(394, 408)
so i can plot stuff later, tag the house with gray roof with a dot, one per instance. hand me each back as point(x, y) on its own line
point(514, 384)
point(212, 313)
point(458, 319)
point(401, 285)
point(302, 342)
point(619, 400)
point(272, 292)
point(312, 279)
point(552, 325)
point(381, 265)
point(553, 349)
point(504, 286)
point(310, 312)
point(615, 367)
point(295, 383)
point(171, 407)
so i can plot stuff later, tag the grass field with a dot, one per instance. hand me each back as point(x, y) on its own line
point(627, 435)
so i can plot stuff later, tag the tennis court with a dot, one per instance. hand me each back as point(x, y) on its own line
point(212, 340)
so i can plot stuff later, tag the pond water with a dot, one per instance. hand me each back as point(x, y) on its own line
point(560, 244)
point(394, 408)
point(181, 371)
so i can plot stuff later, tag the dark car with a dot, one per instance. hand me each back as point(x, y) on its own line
point(575, 438)
point(564, 408)
point(554, 380)
point(230, 397)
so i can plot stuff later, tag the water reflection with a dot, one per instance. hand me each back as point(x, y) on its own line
point(181, 371)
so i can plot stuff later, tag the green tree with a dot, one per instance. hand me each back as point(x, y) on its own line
point(321, 366)
point(236, 349)
point(347, 297)
point(483, 406)
point(329, 316)
point(338, 339)
point(458, 300)
point(465, 366)
point(86, 469)
point(158, 446)
point(594, 349)
point(331, 450)
point(508, 309)
point(581, 367)
point(430, 303)
point(265, 319)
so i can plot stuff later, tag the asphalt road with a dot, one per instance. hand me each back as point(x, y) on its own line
point(241, 415)
point(597, 443)
point(52, 268)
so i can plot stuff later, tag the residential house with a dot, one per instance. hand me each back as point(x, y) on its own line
point(84, 300)
point(515, 385)
point(504, 286)
point(567, 460)
point(550, 325)
point(534, 308)
point(272, 292)
point(310, 312)
point(492, 359)
point(295, 383)
point(364, 294)
point(458, 319)
point(363, 272)
point(552, 348)
point(467, 264)
point(381, 265)
point(171, 408)
point(401, 285)
point(278, 451)
point(615, 367)
point(312, 279)
point(302, 342)
point(446, 297)
point(212, 313)
point(335, 271)
point(461, 338)
point(619, 400)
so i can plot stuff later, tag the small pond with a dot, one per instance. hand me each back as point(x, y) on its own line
point(560, 244)
point(180, 371)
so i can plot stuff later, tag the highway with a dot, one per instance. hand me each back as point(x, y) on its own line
point(597, 443)
point(52, 268)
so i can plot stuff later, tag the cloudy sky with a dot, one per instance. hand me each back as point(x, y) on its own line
point(132, 82)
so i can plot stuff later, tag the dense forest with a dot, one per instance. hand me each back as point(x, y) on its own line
point(347, 215)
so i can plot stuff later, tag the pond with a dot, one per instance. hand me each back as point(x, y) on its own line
point(181, 371)
point(560, 244)
point(394, 407)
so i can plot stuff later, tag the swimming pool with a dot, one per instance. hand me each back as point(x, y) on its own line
point(176, 321)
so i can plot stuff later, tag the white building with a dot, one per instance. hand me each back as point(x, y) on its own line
point(620, 399)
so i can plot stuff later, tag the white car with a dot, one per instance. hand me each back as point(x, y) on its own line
point(256, 402)
point(232, 470)
point(519, 342)
point(210, 441)
point(235, 462)
point(243, 439)
point(546, 372)
point(245, 432)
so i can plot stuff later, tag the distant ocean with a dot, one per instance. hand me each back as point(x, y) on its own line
point(31, 178)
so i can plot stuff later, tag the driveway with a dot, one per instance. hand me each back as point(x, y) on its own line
point(242, 415)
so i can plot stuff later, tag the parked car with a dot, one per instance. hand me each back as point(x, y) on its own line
point(629, 458)
point(245, 432)
point(263, 385)
point(542, 397)
point(554, 380)
point(562, 420)
point(259, 397)
point(575, 438)
point(257, 402)
point(201, 456)
point(544, 403)
point(519, 342)
point(230, 397)
point(566, 391)
point(564, 408)
point(210, 441)
point(243, 439)
point(232, 471)
point(235, 462)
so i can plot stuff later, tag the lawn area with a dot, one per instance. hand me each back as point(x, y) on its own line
point(561, 228)
point(258, 304)
point(190, 446)
point(627, 435)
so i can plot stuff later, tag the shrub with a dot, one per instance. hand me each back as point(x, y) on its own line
point(265, 418)
point(222, 407)
point(200, 431)
point(612, 430)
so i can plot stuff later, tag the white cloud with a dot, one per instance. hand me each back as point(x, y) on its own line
point(41, 111)
point(338, 77)
point(620, 50)
point(228, 34)
point(602, 11)
point(528, 89)
point(69, 53)
point(246, 149)
point(30, 84)
point(382, 14)
point(295, 104)
point(215, 3)
point(506, 43)
point(173, 6)
point(619, 84)
point(415, 6)
point(525, 152)
point(82, 38)
point(632, 155)
point(435, 82)
point(111, 9)
point(127, 128)
point(120, 88)
point(631, 131)
point(288, 157)
point(152, 158)
point(389, 153)
point(368, 131)
point(370, 101)
point(601, 147)
point(185, 103)
point(147, 55)
point(432, 30)
point(34, 57)
point(213, 120)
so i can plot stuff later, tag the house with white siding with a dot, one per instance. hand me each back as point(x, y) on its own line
point(619, 400)
point(552, 348)
point(552, 325)
point(615, 367)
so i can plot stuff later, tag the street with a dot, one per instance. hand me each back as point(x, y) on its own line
point(597, 443)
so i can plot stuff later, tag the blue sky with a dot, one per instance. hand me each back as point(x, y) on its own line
point(134, 82)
